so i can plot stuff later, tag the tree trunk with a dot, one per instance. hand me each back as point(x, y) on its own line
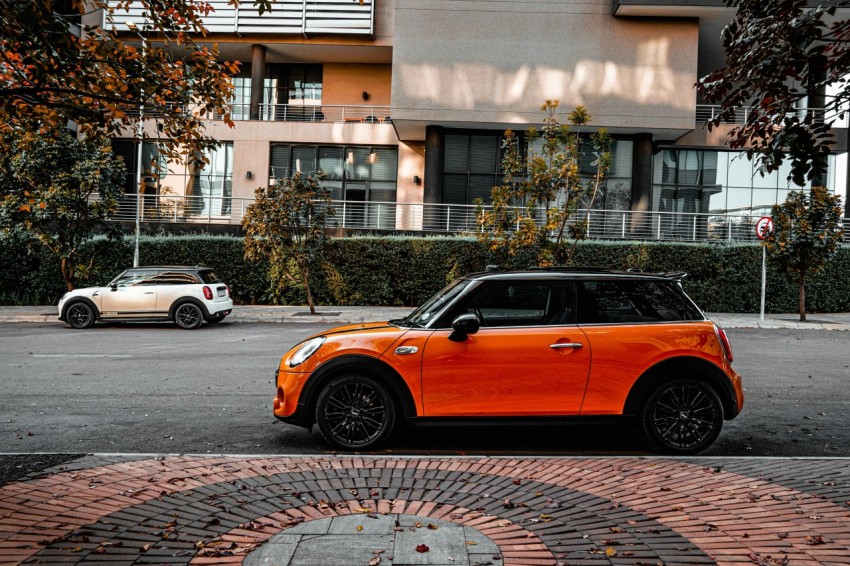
point(309, 294)
point(67, 267)
point(802, 298)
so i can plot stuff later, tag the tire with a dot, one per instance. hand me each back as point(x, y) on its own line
point(355, 412)
point(682, 416)
point(188, 316)
point(79, 315)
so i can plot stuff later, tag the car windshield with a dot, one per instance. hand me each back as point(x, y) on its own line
point(425, 314)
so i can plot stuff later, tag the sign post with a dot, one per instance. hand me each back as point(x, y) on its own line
point(763, 227)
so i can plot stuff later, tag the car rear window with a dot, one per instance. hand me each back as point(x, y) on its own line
point(612, 302)
point(209, 276)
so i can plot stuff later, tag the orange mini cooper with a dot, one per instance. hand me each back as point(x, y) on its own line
point(530, 344)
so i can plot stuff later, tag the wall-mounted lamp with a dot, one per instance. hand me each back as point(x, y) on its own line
point(249, 175)
point(365, 95)
point(417, 180)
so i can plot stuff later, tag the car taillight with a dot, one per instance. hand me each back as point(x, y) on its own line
point(724, 341)
point(208, 293)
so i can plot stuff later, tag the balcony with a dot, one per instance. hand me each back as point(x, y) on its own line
point(302, 17)
point(706, 112)
point(325, 113)
point(454, 219)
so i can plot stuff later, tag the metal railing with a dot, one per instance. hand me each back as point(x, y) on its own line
point(707, 112)
point(453, 218)
point(307, 113)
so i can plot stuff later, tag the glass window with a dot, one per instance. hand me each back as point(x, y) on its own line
point(518, 304)
point(135, 278)
point(209, 276)
point(353, 173)
point(176, 278)
point(613, 302)
point(212, 187)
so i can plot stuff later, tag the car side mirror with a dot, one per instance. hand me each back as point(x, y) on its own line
point(463, 326)
point(114, 286)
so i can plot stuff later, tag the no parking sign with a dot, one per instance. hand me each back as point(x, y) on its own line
point(764, 226)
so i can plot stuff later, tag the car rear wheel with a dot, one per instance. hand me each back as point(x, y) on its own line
point(80, 315)
point(355, 412)
point(188, 316)
point(682, 416)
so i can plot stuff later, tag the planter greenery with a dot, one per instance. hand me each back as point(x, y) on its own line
point(407, 270)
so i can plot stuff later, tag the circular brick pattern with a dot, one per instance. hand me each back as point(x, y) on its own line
point(536, 511)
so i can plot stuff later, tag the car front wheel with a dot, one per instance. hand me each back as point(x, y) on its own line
point(188, 316)
point(682, 416)
point(80, 315)
point(355, 412)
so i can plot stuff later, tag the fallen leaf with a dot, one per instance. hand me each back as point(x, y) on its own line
point(432, 527)
point(359, 528)
point(375, 561)
point(422, 548)
point(610, 551)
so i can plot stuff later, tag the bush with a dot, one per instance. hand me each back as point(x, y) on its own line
point(407, 270)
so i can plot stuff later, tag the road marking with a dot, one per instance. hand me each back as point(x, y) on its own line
point(82, 355)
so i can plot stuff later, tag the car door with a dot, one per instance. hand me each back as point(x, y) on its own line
point(528, 358)
point(132, 294)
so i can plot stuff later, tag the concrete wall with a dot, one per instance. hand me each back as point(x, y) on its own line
point(344, 84)
point(496, 62)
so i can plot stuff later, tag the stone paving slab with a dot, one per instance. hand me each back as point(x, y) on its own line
point(353, 510)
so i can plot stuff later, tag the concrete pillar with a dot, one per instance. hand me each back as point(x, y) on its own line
point(435, 153)
point(641, 186)
point(258, 77)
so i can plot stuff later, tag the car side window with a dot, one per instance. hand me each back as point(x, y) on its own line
point(136, 278)
point(519, 304)
point(177, 278)
point(601, 302)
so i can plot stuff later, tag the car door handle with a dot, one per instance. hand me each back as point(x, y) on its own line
point(148, 292)
point(566, 345)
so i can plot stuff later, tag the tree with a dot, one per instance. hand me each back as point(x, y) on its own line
point(61, 190)
point(536, 206)
point(806, 234)
point(55, 70)
point(778, 52)
point(286, 225)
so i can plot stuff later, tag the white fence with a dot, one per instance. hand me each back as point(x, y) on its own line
point(451, 218)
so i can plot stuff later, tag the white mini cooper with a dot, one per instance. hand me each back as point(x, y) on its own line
point(187, 295)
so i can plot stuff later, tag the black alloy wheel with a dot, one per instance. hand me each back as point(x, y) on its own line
point(79, 315)
point(188, 316)
point(683, 416)
point(355, 412)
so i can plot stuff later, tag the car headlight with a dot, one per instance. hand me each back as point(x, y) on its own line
point(306, 350)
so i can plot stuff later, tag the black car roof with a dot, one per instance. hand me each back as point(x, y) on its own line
point(571, 273)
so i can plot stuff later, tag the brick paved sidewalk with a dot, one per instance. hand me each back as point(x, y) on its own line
point(351, 511)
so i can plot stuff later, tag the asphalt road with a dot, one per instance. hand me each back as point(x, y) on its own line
point(157, 389)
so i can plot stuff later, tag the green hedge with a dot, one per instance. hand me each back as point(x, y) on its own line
point(407, 270)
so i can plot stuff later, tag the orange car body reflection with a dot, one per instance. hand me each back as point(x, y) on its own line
point(552, 370)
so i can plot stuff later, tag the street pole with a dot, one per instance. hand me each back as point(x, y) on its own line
point(763, 279)
point(140, 132)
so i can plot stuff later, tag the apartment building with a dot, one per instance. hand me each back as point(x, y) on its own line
point(403, 104)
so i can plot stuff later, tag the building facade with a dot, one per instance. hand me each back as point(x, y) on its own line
point(403, 103)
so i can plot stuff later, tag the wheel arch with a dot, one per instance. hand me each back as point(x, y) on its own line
point(354, 363)
point(182, 301)
point(71, 302)
point(670, 369)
